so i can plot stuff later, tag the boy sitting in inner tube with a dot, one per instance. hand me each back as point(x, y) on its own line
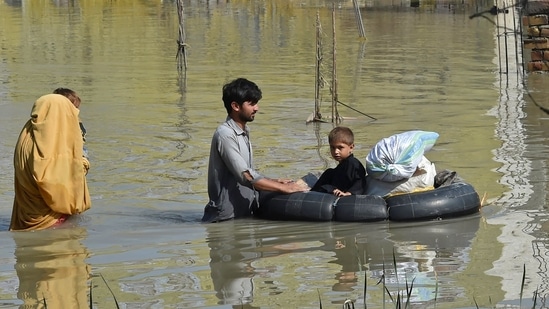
point(349, 176)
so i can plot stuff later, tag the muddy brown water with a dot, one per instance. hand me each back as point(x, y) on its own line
point(428, 67)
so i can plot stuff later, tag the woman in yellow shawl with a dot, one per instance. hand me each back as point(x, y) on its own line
point(50, 169)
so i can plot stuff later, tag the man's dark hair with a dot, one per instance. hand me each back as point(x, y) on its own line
point(240, 90)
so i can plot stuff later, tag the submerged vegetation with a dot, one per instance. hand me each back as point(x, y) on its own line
point(401, 298)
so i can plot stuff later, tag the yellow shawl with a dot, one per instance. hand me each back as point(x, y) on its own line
point(50, 170)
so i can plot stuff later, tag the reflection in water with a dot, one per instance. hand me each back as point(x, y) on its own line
point(321, 141)
point(364, 248)
point(236, 248)
point(231, 256)
point(519, 173)
point(15, 3)
point(436, 249)
point(539, 227)
point(247, 260)
point(51, 268)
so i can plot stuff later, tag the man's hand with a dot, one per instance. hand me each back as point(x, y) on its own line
point(284, 180)
point(293, 186)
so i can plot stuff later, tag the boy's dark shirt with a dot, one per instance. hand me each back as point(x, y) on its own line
point(348, 176)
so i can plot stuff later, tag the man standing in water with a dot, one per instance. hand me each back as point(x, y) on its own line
point(232, 181)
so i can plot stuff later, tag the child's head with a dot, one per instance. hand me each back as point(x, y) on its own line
point(70, 94)
point(342, 143)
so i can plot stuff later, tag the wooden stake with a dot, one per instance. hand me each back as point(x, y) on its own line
point(181, 50)
point(335, 114)
point(317, 116)
point(358, 16)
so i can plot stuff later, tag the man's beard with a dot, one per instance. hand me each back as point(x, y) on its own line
point(247, 118)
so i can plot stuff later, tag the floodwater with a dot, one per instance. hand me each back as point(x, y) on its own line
point(149, 128)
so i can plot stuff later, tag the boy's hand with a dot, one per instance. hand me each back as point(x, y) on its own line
point(340, 193)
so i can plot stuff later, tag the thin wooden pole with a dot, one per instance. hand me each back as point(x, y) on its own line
point(498, 38)
point(335, 114)
point(356, 110)
point(505, 42)
point(359, 23)
point(181, 45)
point(318, 78)
point(521, 42)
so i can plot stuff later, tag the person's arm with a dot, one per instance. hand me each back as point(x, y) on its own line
point(230, 154)
point(356, 177)
point(324, 183)
point(325, 188)
point(340, 193)
point(229, 151)
point(266, 184)
point(358, 186)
